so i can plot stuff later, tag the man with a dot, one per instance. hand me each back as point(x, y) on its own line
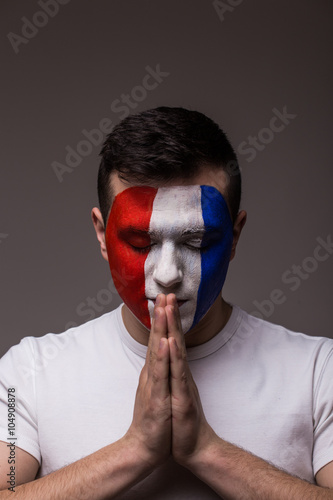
point(176, 394)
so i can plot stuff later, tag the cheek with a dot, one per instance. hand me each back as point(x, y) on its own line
point(214, 266)
point(127, 264)
point(127, 270)
point(192, 271)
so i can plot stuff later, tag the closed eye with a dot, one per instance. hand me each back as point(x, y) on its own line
point(203, 244)
point(193, 244)
point(140, 249)
point(139, 241)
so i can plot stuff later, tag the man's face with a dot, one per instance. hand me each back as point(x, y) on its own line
point(169, 240)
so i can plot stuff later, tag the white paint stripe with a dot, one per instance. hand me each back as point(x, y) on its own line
point(172, 267)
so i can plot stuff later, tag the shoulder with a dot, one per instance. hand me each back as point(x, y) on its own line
point(82, 337)
point(274, 339)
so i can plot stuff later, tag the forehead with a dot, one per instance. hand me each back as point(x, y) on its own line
point(179, 208)
point(181, 204)
point(208, 175)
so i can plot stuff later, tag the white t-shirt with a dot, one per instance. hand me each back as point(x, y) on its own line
point(262, 387)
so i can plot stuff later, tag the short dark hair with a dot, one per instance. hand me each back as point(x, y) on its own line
point(164, 144)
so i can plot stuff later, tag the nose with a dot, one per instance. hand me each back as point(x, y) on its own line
point(167, 271)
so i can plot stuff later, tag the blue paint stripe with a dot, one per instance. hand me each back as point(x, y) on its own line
point(215, 257)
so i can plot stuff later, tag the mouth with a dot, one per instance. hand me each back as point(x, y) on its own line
point(179, 302)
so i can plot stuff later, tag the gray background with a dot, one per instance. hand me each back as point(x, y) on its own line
point(262, 55)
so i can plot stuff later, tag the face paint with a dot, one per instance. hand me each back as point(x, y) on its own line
point(169, 240)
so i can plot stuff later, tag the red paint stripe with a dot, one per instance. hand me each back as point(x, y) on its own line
point(131, 211)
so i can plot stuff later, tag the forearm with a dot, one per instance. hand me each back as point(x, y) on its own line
point(101, 475)
point(237, 475)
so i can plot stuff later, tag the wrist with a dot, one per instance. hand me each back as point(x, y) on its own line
point(140, 453)
point(203, 453)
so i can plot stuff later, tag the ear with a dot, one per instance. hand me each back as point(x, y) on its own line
point(100, 230)
point(238, 226)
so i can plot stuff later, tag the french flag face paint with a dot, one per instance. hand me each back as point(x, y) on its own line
point(169, 240)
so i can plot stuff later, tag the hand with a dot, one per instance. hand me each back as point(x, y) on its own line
point(191, 433)
point(151, 425)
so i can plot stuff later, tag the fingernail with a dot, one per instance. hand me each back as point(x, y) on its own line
point(158, 300)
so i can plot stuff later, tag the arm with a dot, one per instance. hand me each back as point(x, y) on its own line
point(101, 475)
point(118, 466)
point(232, 472)
point(324, 476)
point(26, 466)
point(236, 474)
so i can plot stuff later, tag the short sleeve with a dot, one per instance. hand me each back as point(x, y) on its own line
point(323, 414)
point(17, 376)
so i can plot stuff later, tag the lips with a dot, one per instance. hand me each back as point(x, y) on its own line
point(179, 302)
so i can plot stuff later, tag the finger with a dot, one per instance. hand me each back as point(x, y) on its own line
point(158, 331)
point(160, 302)
point(179, 370)
point(172, 301)
point(160, 375)
point(174, 325)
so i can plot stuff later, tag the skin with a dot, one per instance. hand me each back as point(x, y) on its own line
point(171, 383)
point(220, 312)
point(169, 258)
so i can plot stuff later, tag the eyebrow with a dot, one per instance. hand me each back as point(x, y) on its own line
point(189, 232)
point(193, 232)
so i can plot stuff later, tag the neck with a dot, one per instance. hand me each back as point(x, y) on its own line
point(209, 326)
